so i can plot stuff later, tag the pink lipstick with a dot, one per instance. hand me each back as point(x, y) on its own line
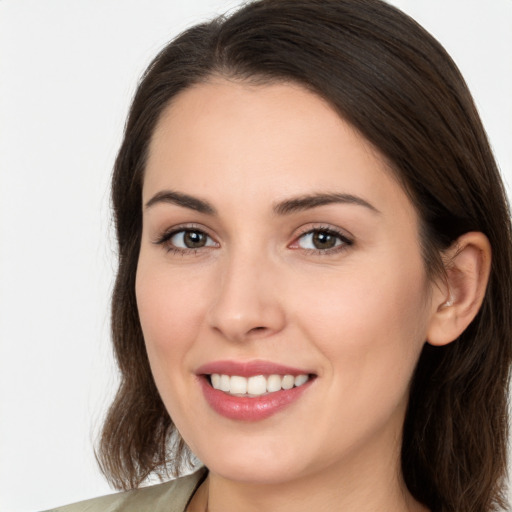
point(251, 391)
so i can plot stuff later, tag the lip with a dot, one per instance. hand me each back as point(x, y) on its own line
point(248, 409)
point(249, 368)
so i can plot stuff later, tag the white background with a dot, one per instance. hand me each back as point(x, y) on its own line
point(67, 72)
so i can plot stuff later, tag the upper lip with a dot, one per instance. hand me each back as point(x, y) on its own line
point(249, 368)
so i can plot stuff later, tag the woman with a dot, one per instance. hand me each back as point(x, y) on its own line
point(313, 293)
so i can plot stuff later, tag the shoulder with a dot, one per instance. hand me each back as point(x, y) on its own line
point(170, 496)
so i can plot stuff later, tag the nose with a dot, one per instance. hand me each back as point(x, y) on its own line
point(247, 304)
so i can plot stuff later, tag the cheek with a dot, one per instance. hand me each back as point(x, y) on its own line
point(370, 325)
point(170, 305)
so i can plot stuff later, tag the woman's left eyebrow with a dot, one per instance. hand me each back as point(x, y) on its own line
point(306, 202)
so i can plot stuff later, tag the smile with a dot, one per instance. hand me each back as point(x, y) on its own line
point(257, 385)
point(253, 390)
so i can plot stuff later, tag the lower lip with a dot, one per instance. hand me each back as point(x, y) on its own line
point(250, 409)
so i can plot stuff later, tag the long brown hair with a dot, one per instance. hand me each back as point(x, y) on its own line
point(395, 83)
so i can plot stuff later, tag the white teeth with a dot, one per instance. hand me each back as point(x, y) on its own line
point(274, 383)
point(257, 385)
point(224, 383)
point(288, 382)
point(238, 385)
point(216, 380)
point(301, 379)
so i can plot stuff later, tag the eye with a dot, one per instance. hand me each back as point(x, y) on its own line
point(322, 240)
point(184, 240)
point(191, 239)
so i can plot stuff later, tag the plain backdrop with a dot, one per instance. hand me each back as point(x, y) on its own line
point(67, 72)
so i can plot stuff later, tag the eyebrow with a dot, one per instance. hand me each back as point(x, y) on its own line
point(184, 200)
point(285, 207)
point(315, 200)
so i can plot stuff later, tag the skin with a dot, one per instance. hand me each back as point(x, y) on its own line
point(356, 315)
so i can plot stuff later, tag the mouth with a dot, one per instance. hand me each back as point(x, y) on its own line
point(252, 391)
point(257, 385)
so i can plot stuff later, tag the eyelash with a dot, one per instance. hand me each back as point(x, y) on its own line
point(165, 238)
point(344, 241)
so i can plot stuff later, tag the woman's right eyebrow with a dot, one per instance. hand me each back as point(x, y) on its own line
point(184, 200)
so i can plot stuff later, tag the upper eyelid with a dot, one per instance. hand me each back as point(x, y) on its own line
point(343, 233)
point(346, 240)
point(168, 233)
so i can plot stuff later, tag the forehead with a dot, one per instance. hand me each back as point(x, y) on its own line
point(260, 141)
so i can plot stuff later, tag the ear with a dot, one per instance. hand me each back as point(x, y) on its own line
point(457, 299)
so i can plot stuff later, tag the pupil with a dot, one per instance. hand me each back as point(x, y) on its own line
point(323, 240)
point(194, 239)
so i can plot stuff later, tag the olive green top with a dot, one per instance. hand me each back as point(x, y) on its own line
point(170, 496)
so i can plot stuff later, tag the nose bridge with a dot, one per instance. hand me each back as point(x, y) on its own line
point(246, 304)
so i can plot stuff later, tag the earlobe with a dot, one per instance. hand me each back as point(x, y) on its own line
point(457, 302)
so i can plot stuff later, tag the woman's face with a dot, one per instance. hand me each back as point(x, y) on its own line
point(277, 242)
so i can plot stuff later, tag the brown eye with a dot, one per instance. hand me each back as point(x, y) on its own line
point(194, 239)
point(191, 239)
point(322, 240)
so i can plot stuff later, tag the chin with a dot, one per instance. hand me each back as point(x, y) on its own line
point(255, 472)
point(255, 464)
